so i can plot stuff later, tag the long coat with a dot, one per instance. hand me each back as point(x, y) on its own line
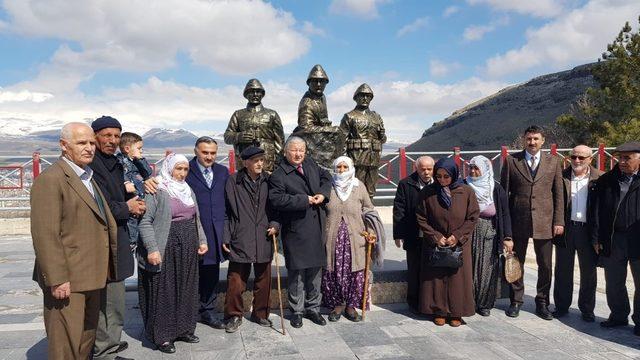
point(351, 211)
point(63, 213)
point(302, 224)
point(404, 211)
point(211, 207)
point(245, 226)
point(109, 175)
point(536, 204)
point(445, 291)
point(594, 174)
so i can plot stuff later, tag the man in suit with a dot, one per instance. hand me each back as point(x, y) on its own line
point(109, 175)
point(298, 190)
point(614, 222)
point(533, 181)
point(579, 182)
point(405, 226)
point(207, 180)
point(75, 242)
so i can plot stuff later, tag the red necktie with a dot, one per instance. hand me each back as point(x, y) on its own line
point(299, 168)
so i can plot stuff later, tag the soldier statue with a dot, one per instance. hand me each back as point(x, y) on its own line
point(364, 132)
point(255, 125)
point(324, 141)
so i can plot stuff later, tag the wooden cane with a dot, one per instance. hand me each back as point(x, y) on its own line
point(367, 263)
point(275, 255)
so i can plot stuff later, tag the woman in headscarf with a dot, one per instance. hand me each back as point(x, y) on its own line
point(446, 214)
point(343, 278)
point(171, 239)
point(491, 234)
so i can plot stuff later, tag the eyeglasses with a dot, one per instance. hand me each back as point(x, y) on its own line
point(445, 176)
point(574, 157)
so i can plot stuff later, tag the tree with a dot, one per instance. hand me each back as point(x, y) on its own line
point(610, 113)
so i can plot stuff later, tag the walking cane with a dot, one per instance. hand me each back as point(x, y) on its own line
point(367, 264)
point(275, 255)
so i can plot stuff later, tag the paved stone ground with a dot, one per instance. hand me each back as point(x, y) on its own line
point(389, 332)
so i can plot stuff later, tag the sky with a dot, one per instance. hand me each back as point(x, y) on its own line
point(184, 63)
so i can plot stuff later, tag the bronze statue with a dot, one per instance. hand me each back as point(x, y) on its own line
point(256, 125)
point(364, 132)
point(324, 141)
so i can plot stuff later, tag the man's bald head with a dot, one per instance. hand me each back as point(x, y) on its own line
point(424, 168)
point(581, 157)
point(69, 128)
point(78, 143)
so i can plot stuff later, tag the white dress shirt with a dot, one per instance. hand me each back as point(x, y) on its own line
point(579, 192)
point(85, 175)
point(528, 157)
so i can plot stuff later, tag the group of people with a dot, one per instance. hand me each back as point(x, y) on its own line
point(99, 206)
point(580, 210)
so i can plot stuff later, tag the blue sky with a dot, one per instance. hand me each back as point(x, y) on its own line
point(183, 63)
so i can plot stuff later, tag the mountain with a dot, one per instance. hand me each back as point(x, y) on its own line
point(500, 118)
point(168, 138)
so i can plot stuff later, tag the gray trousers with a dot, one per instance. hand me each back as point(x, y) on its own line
point(577, 241)
point(110, 321)
point(304, 289)
point(615, 274)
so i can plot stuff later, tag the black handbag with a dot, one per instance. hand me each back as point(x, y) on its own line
point(448, 257)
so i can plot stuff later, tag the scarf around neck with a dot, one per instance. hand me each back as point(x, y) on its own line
point(179, 190)
point(444, 192)
point(345, 182)
point(484, 184)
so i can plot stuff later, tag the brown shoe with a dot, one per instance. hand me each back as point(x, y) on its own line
point(455, 322)
point(439, 321)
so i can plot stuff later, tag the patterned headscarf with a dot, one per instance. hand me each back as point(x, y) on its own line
point(176, 189)
point(482, 185)
point(444, 192)
point(344, 183)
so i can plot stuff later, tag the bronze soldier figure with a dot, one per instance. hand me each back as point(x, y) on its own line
point(324, 141)
point(255, 125)
point(364, 132)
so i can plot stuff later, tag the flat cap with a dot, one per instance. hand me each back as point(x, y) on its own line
point(105, 122)
point(250, 152)
point(631, 146)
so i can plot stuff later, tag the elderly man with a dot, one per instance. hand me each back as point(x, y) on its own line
point(579, 182)
point(250, 224)
point(109, 175)
point(75, 242)
point(615, 224)
point(533, 182)
point(298, 189)
point(405, 227)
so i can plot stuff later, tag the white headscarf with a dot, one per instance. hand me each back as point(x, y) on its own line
point(176, 189)
point(482, 185)
point(344, 183)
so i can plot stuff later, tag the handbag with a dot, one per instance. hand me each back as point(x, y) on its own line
point(512, 269)
point(447, 257)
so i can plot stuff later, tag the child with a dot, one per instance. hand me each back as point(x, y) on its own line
point(136, 171)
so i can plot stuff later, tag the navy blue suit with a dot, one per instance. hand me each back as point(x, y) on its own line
point(212, 209)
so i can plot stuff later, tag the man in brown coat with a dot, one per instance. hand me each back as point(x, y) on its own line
point(533, 181)
point(74, 238)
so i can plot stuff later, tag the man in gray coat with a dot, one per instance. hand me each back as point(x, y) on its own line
point(249, 225)
point(298, 190)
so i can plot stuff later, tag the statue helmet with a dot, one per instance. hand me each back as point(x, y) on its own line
point(317, 72)
point(252, 84)
point(363, 89)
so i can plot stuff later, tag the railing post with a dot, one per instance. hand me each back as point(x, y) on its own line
point(456, 156)
point(402, 163)
point(35, 164)
point(602, 157)
point(554, 149)
point(232, 161)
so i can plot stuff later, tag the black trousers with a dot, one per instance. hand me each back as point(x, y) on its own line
point(615, 274)
point(544, 251)
point(414, 260)
point(207, 282)
point(577, 241)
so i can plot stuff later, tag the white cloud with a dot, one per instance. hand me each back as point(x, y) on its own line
point(477, 32)
point(365, 9)
point(24, 95)
point(537, 8)
point(310, 29)
point(577, 37)
point(439, 68)
point(230, 37)
point(451, 10)
point(416, 25)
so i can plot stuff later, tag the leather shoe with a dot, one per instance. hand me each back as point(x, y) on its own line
point(558, 313)
point(189, 338)
point(334, 316)
point(484, 312)
point(167, 348)
point(610, 323)
point(211, 321)
point(513, 310)
point(296, 321)
point(588, 317)
point(260, 321)
point(315, 317)
point(439, 320)
point(233, 324)
point(455, 322)
point(353, 316)
point(543, 312)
